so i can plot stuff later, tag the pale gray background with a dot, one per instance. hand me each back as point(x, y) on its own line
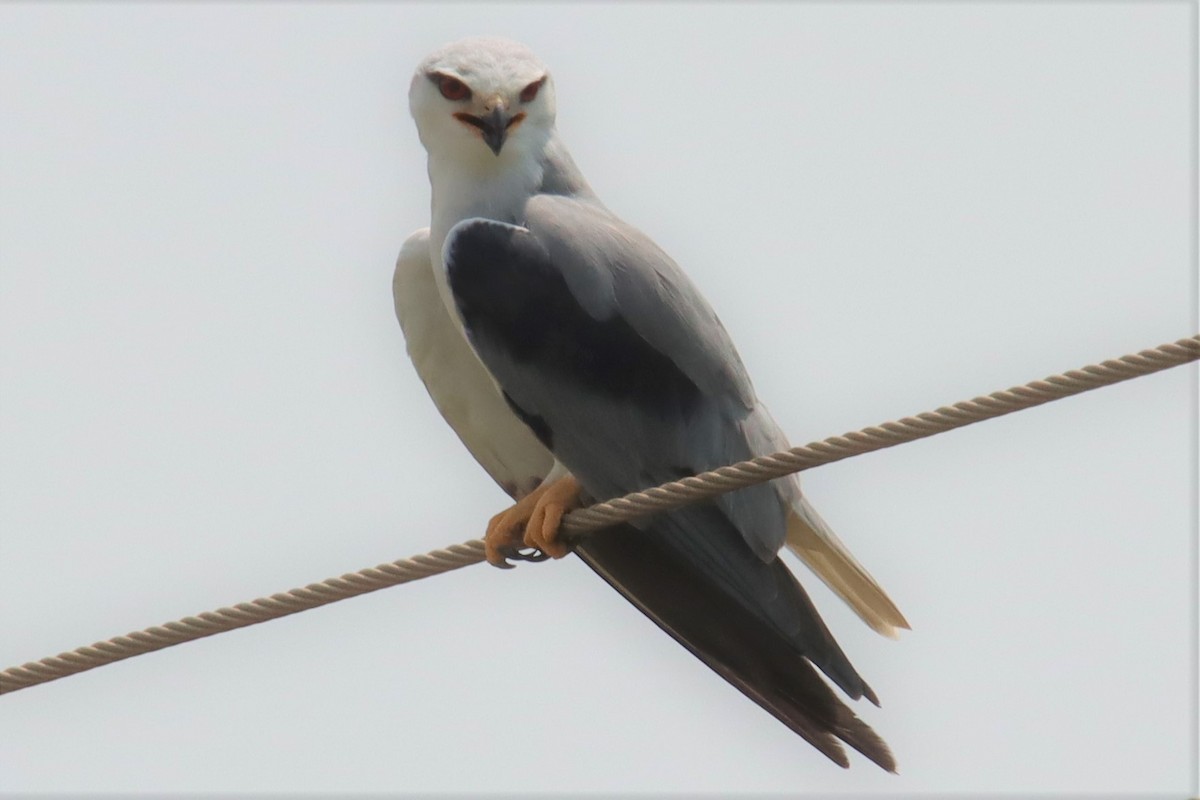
point(205, 396)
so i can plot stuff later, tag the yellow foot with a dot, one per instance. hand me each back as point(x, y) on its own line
point(506, 531)
point(532, 522)
point(552, 502)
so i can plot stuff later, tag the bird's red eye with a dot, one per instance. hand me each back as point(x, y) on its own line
point(530, 91)
point(452, 88)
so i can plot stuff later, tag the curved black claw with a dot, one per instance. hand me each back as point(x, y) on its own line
point(525, 554)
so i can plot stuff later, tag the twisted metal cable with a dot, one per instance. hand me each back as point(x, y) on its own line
point(662, 498)
point(242, 615)
point(888, 434)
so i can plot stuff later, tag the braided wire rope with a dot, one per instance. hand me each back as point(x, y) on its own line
point(602, 515)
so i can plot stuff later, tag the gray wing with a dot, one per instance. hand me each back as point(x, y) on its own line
point(613, 269)
point(609, 355)
point(606, 344)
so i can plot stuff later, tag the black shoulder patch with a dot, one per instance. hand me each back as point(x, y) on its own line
point(511, 296)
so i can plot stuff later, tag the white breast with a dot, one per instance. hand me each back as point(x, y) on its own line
point(460, 387)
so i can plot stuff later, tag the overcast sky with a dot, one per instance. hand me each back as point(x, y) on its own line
point(204, 396)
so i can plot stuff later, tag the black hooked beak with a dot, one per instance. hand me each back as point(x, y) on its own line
point(494, 126)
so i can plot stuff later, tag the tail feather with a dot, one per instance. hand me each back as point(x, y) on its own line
point(810, 538)
point(738, 645)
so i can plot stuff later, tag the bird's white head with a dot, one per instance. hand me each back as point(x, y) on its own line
point(482, 101)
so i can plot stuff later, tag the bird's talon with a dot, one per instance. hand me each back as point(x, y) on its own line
point(496, 557)
point(528, 554)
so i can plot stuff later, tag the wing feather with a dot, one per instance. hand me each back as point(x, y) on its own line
point(551, 321)
point(613, 268)
point(622, 414)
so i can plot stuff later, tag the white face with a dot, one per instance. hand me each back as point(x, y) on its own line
point(482, 101)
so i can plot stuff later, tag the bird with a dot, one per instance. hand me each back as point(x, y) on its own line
point(577, 362)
